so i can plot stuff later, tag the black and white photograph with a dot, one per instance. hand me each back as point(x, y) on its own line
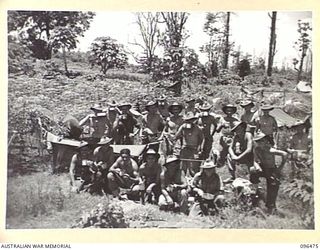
point(121, 119)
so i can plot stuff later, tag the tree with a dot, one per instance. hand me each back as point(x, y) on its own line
point(35, 28)
point(108, 53)
point(63, 38)
point(217, 27)
point(148, 25)
point(173, 40)
point(213, 27)
point(226, 49)
point(272, 43)
point(303, 45)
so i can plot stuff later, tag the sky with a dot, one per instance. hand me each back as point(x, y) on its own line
point(250, 30)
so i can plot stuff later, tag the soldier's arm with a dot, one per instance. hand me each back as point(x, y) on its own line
point(230, 150)
point(115, 165)
point(179, 133)
point(201, 140)
point(111, 157)
point(72, 169)
point(249, 147)
point(84, 120)
point(214, 126)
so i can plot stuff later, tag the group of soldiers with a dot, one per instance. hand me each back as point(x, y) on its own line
point(196, 142)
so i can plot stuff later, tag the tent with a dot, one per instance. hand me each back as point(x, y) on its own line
point(282, 118)
point(135, 150)
point(304, 87)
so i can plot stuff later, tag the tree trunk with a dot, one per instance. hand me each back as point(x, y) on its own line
point(65, 60)
point(272, 43)
point(301, 66)
point(226, 43)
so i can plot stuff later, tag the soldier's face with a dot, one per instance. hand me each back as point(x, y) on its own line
point(209, 171)
point(125, 157)
point(152, 109)
point(175, 110)
point(150, 158)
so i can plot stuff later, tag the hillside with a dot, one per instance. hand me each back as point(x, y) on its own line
point(36, 199)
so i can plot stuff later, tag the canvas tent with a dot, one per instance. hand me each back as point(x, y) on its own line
point(282, 118)
point(304, 87)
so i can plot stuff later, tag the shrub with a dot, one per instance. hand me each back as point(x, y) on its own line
point(102, 216)
point(300, 190)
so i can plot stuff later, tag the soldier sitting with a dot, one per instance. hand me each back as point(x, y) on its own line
point(149, 172)
point(173, 186)
point(208, 187)
point(123, 174)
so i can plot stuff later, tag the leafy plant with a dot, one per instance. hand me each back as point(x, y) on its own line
point(102, 216)
point(300, 190)
point(108, 54)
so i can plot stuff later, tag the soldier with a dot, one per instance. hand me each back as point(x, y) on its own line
point(79, 170)
point(267, 124)
point(125, 125)
point(103, 154)
point(123, 173)
point(172, 125)
point(112, 115)
point(299, 146)
point(153, 122)
point(209, 190)
point(173, 186)
point(149, 172)
point(191, 106)
point(224, 126)
point(163, 107)
point(248, 115)
point(208, 124)
point(74, 130)
point(97, 123)
point(192, 144)
point(240, 150)
point(265, 157)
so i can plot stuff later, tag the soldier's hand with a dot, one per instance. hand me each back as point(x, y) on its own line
point(74, 189)
point(200, 192)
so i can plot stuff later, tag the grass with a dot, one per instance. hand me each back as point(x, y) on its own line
point(40, 200)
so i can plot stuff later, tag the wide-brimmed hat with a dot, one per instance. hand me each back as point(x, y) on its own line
point(104, 140)
point(205, 106)
point(208, 165)
point(189, 117)
point(97, 107)
point(170, 159)
point(173, 105)
point(229, 106)
point(245, 103)
point(150, 104)
point(124, 104)
point(151, 151)
point(259, 136)
point(112, 106)
point(190, 99)
point(82, 144)
point(237, 124)
point(267, 107)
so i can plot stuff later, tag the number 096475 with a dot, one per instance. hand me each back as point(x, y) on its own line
point(309, 246)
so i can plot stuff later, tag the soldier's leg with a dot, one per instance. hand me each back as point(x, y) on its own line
point(113, 184)
point(231, 167)
point(273, 184)
point(183, 201)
